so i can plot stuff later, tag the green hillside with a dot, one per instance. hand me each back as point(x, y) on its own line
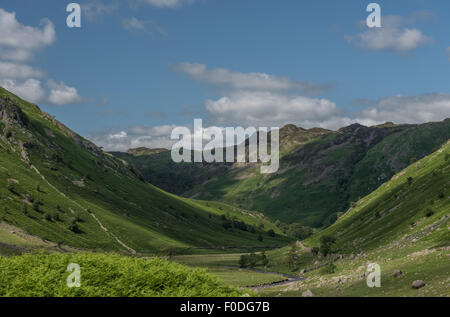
point(56, 185)
point(402, 226)
point(158, 168)
point(321, 174)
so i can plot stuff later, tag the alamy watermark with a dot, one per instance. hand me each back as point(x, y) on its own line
point(231, 149)
point(74, 278)
point(374, 277)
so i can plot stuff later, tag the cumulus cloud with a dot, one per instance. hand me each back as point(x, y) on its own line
point(61, 94)
point(407, 109)
point(254, 108)
point(18, 42)
point(397, 34)
point(18, 45)
point(167, 3)
point(249, 81)
point(30, 89)
point(138, 136)
point(274, 110)
point(14, 71)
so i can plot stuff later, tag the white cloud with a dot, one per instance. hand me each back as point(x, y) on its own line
point(407, 109)
point(249, 81)
point(269, 109)
point(119, 135)
point(61, 94)
point(397, 34)
point(97, 9)
point(18, 42)
point(274, 109)
point(146, 26)
point(30, 89)
point(138, 136)
point(167, 3)
point(14, 71)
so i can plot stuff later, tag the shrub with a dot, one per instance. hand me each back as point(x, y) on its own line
point(74, 227)
point(227, 224)
point(36, 205)
point(271, 233)
point(11, 188)
point(429, 212)
point(410, 180)
point(251, 260)
point(315, 250)
point(330, 268)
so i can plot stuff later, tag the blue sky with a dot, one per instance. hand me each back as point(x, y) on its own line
point(137, 68)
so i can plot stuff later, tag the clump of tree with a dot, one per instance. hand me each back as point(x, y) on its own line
point(170, 251)
point(48, 217)
point(73, 226)
point(251, 260)
point(234, 223)
point(326, 244)
point(300, 232)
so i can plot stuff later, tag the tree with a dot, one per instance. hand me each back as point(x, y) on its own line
point(292, 258)
point(326, 243)
point(271, 233)
point(315, 250)
point(300, 232)
point(264, 259)
point(260, 238)
point(74, 227)
point(170, 251)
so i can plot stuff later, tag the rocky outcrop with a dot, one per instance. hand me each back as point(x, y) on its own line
point(11, 113)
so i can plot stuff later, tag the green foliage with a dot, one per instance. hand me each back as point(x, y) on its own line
point(251, 260)
point(330, 268)
point(326, 244)
point(300, 232)
point(105, 275)
point(292, 258)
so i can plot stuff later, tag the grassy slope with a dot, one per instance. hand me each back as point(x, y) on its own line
point(158, 169)
point(389, 227)
point(320, 177)
point(141, 216)
point(107, 275)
